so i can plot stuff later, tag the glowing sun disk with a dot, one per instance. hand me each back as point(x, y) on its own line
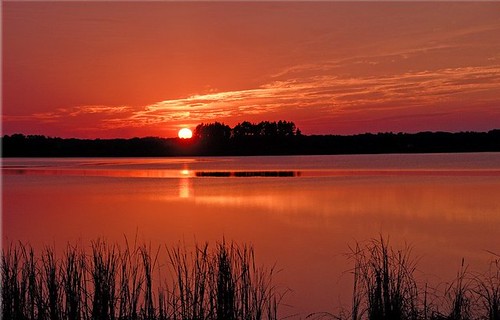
point(185, 133)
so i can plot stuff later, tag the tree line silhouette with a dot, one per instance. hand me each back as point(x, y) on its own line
point(245, 139)
point(221, 131)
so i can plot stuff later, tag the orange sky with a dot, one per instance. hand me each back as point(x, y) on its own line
point(125, 69)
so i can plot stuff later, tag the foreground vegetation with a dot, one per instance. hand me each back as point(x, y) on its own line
point(223, 282)
point(385, 287)
point(114, 283)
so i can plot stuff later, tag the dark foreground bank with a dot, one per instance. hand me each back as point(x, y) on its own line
point(223, 282)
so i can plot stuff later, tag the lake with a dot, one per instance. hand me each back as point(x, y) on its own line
point(299, 212)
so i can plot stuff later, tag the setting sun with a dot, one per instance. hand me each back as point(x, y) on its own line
point(185, 133)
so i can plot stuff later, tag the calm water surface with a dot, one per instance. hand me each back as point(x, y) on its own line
point(299, 212)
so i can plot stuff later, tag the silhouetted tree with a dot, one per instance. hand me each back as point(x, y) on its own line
point(213, 131)
point(269, 129)
point(265, 129)
point(286, 128)
point(245, 129)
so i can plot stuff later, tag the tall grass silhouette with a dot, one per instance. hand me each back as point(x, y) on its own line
point(384, 282)
point(488, 290)
point(385, 287)
point(218, 282)
point(110, 283)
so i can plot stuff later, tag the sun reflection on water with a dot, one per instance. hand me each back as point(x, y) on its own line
point(185, 184)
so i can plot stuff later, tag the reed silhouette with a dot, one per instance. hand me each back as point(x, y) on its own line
point(113, 283)
point(385, 287)
point(223, 282)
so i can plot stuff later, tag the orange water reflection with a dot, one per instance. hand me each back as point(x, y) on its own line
point(304, 223)
point(185, 185)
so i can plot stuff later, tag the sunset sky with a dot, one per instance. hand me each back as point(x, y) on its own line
point(125, 69)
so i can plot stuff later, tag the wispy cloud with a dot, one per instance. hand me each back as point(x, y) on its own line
point(394, 95)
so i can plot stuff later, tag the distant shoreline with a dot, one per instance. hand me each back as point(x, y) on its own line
point(20, 145)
